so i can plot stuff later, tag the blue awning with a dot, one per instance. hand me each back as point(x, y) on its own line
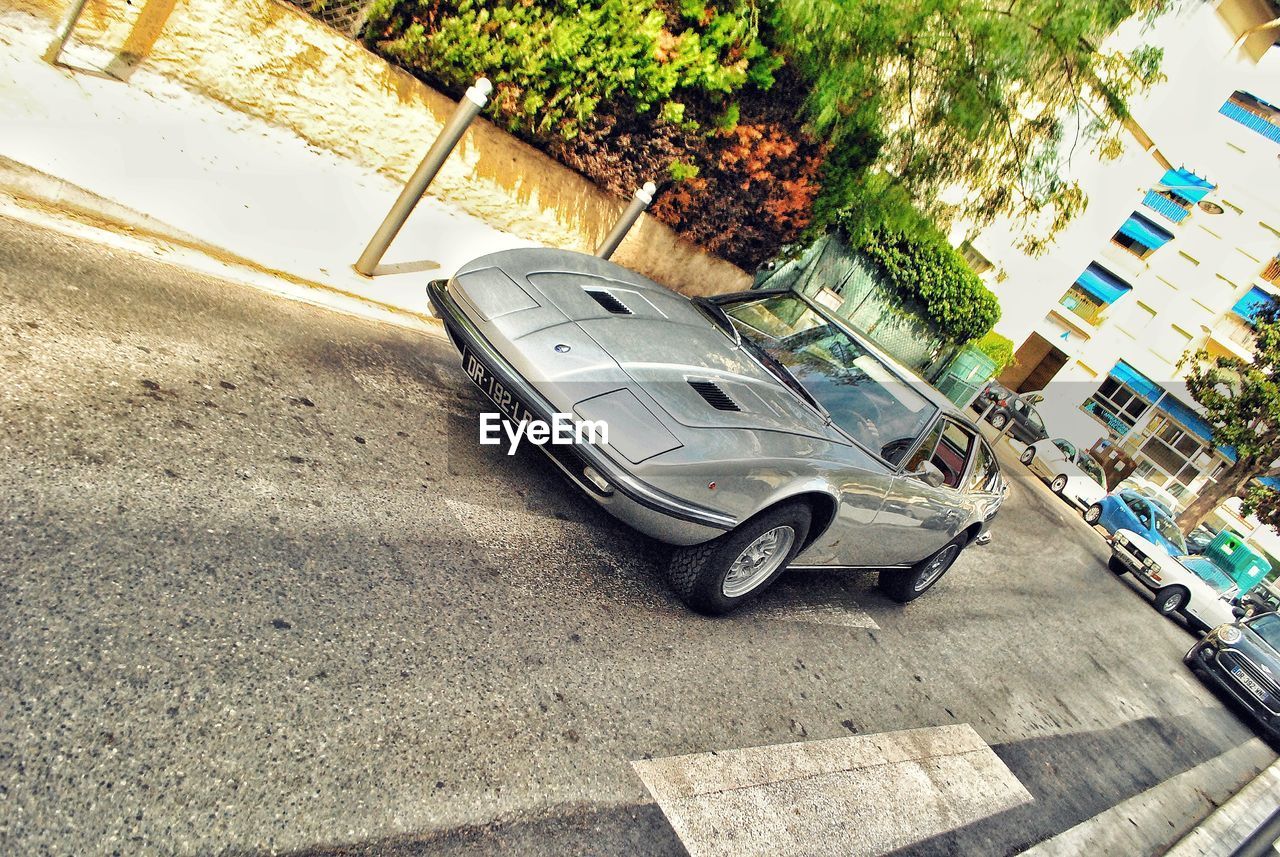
point(1145, 232)
point(1249, 306)
point(1136, 381)
point(1183, 413)
point(1102, 284)
point(1186, 184)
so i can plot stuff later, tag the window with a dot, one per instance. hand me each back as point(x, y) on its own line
point(1116, 402)
point(978, 262)
point(952, 453)
point(983, 477)
point(1068, 451)
point(1254, 304)
point(1141, 236)
point(1253, 113)
point(1083, 304)
point(1167, 528)
point(1095, 289)
point(1174, 450)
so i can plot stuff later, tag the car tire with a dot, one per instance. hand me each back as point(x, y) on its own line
point(1028, 456)
point(1093, 515)
point(701, 574)
point(904, 586)
point(1116, 566)
point(1058, 485)
point(999, 421)
point(1170, 600)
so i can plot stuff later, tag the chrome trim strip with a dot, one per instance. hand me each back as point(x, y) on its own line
point(646, 495)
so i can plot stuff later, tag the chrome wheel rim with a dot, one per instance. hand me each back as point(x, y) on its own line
point(1059, 484)
point(1092, 515)
point(1170, 604)
point(936, 567)
point(758, 561)
point(1028, 457)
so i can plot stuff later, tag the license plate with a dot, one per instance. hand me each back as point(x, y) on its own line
point(1247, 681)
point(491, 385)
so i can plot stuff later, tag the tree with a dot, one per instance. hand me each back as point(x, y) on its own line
point(990, 96)
point(1242, 403)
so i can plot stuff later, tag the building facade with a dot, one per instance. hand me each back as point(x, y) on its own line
point(1178, 250)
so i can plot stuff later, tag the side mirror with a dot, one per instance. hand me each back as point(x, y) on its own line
point(929, 474)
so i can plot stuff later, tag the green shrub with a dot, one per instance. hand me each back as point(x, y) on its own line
point(998, 348)
point(556, 63)
point(932, 274)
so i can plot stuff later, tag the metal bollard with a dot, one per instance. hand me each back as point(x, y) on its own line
point(639, 203)
point(468, 108)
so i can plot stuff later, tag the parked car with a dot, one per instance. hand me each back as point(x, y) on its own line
point(1007, 407)
point(1194, 586)
point(1070, 471)
point(1264, 598)
point(750, 431)
point(1128, 510)
point(1199, 539)
point(1243, 659)
point(1147, 488)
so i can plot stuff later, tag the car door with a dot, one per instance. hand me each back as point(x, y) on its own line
point(1033, 425)
point(917, 518)
point(1059, 457)
point(1208, 606)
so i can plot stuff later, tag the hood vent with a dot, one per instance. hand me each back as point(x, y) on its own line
point(714, 396)
point(608, 301)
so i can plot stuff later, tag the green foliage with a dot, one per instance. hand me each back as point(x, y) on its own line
point(962, 92)
point(1241, 401)
point(935, 276)
point(680, 171)
point(998, 348)
point(556, 63)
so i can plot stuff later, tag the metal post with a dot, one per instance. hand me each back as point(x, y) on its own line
point(60, 41)
point(639, 203)
point(468, 108)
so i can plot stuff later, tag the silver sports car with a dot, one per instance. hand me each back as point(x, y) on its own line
point(752, 431)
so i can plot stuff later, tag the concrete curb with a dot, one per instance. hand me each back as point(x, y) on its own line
point(41, 191)
point(1230, 824)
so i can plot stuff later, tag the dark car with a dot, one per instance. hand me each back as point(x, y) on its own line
point(1243, 659)
point(1007, 406)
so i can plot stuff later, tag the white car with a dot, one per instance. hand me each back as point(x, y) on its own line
point(1191, 585)
point(1070, 472)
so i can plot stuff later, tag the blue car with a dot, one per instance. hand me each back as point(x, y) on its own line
point(1129, 510)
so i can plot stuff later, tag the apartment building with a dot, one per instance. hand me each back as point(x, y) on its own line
point(1178, 249)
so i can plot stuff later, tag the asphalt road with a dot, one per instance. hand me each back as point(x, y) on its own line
point(263, 592)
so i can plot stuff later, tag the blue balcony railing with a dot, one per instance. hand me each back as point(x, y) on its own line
point(1250, 120)
point(1165, 207)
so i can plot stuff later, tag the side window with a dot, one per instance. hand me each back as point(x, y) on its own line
point(1034, 419)
point(952, 453)
point(1017, 406)
point(924, 451)
point(1064, 448)
point(1135, 504)
point(983, 476)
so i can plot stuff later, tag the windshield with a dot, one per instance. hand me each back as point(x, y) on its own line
point(1170, 531)
point(864, 398)
point(1267, 626)
point(1092, 470)
point(1210, 574)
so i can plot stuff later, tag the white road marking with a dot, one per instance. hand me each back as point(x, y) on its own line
point(1143, 824)
point(861, 795)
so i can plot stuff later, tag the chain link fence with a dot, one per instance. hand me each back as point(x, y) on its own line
point(346, 16)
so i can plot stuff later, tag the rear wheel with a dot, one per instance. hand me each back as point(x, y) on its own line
point(999, 421)
point(1093, 515)
point(1170, 599)
point(1059, 484)
point(1028, 456)
point(717, 576)
point(904, 586)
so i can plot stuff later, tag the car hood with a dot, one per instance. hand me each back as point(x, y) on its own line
point(620, 327)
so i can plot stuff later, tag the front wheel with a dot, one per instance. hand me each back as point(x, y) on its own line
point(1170, 600)
point(717, 576)
point(904, 586)
point(1028, 456)
point(1093, 515)
point(1116, 566)
point(1059, 484)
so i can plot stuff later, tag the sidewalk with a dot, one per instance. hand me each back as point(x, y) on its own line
point(242, 190)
